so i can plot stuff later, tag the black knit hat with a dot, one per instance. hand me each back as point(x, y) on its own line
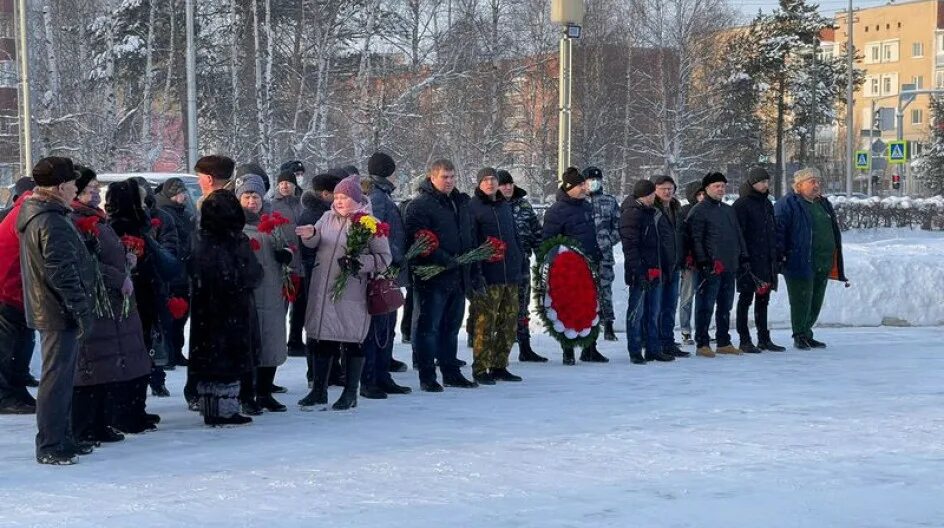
point(572, 178)
point(712, 177)
point(86, 175)
point(292, 166)
point(287, 175)
point(172, 187)
point(54, 171)
point(643, 188)
point(324, 182)
point(593, 173)
point(757, 175)
point(504, 177)
point(485, 172)
point(351, 170)
point(381, 164)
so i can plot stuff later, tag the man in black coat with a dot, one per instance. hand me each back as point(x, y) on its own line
point(496, 310)
point(720, 255)
point(439, 302)
point(668, 218)
point(755, 215)
point(172, 200)
point(572, 216)
point(58, 286)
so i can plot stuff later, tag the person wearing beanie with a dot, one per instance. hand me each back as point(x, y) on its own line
point(351, 170)
point(720, 256)
point(694, 193)
point(758, 226)
point(809, 244)
point(529, 237)
point(340, 328)
point(295, 168)
point(253, 168)
point(572, 216)
point(606, 217)
point(439, 302)
point(58, 290)
point(286, 200)
point(643, 273)
point(670, 259)
point(376, 382)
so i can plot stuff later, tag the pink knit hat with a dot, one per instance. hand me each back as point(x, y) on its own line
point(350, 187)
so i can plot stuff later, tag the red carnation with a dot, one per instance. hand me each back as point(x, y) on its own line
point(89, 225)
point(719, 267)
point(572, 291)
point(356, 217)
point(292, 287)
point(498, 249)
point(133, 244)
point(763, 288)
point(431, 239)
point(156, 223)
point(177, 307)
point(266, 225)
point(653, 274)
point(383, 229)
point(254, 244)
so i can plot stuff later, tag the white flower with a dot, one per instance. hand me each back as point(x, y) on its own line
point(571, 334)
point(552, 314)
point(558, 326)
point(585, 332)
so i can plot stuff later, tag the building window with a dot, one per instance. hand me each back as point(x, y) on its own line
point(917, 49)
point(940, 42)
point(939, 79)
point(872, 85)
point(890, 52)
point(918, 81)
point(917, 116)
point(873, 53)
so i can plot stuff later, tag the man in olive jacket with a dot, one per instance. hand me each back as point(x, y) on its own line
point(58, 284)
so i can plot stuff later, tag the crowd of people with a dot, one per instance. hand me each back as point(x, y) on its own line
point(265, 273)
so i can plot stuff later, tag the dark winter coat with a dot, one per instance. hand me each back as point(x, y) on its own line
point(684, 231)
point(114, 351)
point(759, 228)
point(313, 209)
point(526, 221)
point(185, 225)
point(795, 238)
point(58, 272)
point(224, 333)
point(288, 206)
point(493, 217)
point(573, 218)
point(670, 236)
point(385, 209)
point(447, 216)
point(639, 235)
point(716, 235)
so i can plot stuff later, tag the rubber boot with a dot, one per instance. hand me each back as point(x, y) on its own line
point(608, 333)
point(321, 370)
point(352, 378)
point(526, 353)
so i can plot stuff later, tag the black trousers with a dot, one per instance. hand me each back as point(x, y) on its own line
point(54, 400)
point(760, 302)
point(95, 407)
point(16, 351)
point(296, 320)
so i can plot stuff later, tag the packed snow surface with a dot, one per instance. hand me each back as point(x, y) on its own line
point(849, 436)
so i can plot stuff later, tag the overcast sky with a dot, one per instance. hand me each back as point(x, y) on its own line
point(749, 7)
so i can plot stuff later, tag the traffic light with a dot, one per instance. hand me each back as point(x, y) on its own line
point(896, 181)
point(877, 120)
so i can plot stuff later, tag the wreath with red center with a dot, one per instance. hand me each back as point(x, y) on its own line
point(566, 292)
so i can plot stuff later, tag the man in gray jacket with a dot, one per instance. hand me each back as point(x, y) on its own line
point(58, 284)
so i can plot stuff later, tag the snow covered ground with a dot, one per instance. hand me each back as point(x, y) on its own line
point(849, 436)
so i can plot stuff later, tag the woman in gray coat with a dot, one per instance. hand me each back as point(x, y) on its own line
point(339, 327)
point(270, 303)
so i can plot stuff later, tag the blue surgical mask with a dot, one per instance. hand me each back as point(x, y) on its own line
point(596, 185)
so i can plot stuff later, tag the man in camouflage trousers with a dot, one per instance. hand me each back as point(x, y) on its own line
point(606, 216)
point(529, 237)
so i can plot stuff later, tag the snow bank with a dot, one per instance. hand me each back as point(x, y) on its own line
point(896, 278)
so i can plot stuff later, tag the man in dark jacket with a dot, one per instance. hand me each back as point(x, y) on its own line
point(810, 246)
point(21, 187)
point(529, 236)
point(439, 303)
point(58, 286)
point(572, 216)
point(172, 200)
point(694, 194)
point(719, 253)
point(606, 218)
point(759, 227)
point(376, 382)
point(643, 273)
point(670, 260)
point(496, 310)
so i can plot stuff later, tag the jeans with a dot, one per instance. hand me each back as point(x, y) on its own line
point(642, 319)
point(378, 350)
point(670, 297)
point(713, 290)
point(16, 351)
point(745, 298)
point(437, 318)
point(54, 400)
point(686, 300)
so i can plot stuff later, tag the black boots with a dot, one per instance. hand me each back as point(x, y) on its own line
point(814, 343)
point(526, 353)
point(799, 342)
point(590, 354)
point(748, 347)
point(352, 377)
point(659, 356)
point(569, 356)
point(483, 378)
point(502, 374)
point(265, 377)
point(608, 333)
point(770, 346)
point(321, 370)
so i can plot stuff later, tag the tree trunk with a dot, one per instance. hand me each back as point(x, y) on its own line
point(778, 178)
point(146, 99)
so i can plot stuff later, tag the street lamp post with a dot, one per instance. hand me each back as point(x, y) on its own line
point(26, 140)
point(192, 147)
point(569, 14)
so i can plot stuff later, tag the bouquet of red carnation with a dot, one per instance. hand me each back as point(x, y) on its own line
point(177, 307)
point(363, 228)
point(156, 223)
point(135, 246)
point(492, 250)
point(271, 224)
point(89, 229)
point(423, 246)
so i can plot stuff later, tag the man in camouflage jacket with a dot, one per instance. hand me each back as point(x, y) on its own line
point(606, 216)
point(529, 237)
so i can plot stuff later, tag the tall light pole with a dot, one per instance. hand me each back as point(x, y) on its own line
point(569, 14)
point(26, 139)
point(850, 146)
point(192, 146)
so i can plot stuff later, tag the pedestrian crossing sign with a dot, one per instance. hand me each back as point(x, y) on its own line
point(897, 152)
point(862, 160)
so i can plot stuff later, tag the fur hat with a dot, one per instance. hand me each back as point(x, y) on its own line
point(712, 177)
point(54, 171)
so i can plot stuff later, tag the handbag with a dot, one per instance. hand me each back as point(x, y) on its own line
point(383, 295)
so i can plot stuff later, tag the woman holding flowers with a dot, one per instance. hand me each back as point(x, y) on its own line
point(279, 285)
point(351, 246)
point(114, 353)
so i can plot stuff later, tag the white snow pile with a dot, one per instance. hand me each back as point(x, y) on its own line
point(896, 278)
point(890, 202)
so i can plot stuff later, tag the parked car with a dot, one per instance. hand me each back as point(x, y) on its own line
point(156, 179)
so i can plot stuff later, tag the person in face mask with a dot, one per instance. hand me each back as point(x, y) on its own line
point(606, 217)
